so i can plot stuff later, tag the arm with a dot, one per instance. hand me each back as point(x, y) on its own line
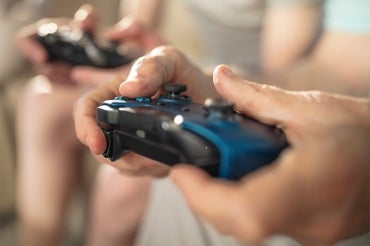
point(340, 60)
point(288, 34)
point(348, 55)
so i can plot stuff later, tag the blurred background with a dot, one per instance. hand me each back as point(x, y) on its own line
point(15, 71)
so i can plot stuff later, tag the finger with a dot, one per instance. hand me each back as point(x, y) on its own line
point(215, 200)
point(268, 104)
point(164, 65)
point(87, 17)
point(94, 76)
point(125, 29)
point(268, 201)
point(149, 73)
point(57, 72)
point(87, 130)
point(25, 41)
point(134, 164)
point(201, 190)
point(130, 30)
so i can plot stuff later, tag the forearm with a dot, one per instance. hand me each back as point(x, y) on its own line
point(288, 34)
point(311, 74)
point(348, 55)
point(339, 63)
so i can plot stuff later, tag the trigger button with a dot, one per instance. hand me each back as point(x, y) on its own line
point(108, 153)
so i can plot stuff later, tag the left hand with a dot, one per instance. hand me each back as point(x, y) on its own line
point(91, 134)
point(146, 78)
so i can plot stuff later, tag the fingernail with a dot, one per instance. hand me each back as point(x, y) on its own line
point(83, 12)
point(227, 71)
point(124, 23)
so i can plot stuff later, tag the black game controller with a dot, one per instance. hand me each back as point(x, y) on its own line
point(172, 129)
point(77, 47)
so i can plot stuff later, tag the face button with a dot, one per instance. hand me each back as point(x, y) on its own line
point(218, 108)
point(143, 99)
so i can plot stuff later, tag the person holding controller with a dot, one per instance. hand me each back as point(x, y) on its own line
point(199, 88)
point(317, 191)
point(49, 158)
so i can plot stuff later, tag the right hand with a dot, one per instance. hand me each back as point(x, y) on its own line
point(85, 18)
point(317, 191)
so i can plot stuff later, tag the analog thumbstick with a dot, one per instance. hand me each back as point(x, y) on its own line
point(174, 90)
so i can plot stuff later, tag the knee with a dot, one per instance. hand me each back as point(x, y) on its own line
point(45, 106)
point(41, 99)
point(131, 188)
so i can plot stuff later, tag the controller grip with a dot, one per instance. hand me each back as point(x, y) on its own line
point(114, 150)
point(118, 143)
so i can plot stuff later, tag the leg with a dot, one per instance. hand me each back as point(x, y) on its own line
point(48, 160)
point(118, 206)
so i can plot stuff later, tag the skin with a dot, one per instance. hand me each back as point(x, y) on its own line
point(316, 192)
point(146, 78)
point(52, 169)
point(47, 167)
point(288, 34)
point(297, 53)
point(85, 18)
point(287, 57)
point(116, 214)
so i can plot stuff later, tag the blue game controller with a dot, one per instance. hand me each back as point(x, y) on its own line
point(173, 129)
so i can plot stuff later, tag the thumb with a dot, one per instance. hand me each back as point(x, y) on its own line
point(200, 190)
point(265, 103)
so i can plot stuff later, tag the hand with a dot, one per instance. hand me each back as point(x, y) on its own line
point(146, 77)
point(136, 39)
point(85, 19)
point(134, 35)
point(90, 134)
point(163, 65)
point(318, 191)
